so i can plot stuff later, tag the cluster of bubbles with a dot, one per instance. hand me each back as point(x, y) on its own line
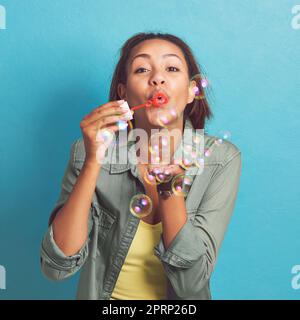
point(225, 135)
point(191, 157)
point(166, 115)
point(159, 147)
point(161, 172)
point(141, 204)
point(154, 175)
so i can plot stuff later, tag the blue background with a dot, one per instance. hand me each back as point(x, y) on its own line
point(56, 63)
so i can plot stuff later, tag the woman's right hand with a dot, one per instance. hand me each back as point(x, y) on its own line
point(93, 125)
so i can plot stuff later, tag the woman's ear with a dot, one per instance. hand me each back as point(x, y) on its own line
point(122, 91)
point(191, 95)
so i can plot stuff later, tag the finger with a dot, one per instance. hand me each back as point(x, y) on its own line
point(108, 105)
point(166, 169)
point(103, 113)
point(102, 121)
point(109, 108)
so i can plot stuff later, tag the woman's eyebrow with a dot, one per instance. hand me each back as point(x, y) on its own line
point(146, 55)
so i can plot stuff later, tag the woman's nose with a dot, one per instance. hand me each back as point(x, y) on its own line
point(157, 80)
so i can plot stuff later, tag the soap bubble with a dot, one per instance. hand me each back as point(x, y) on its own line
point(159, 147)
point(140, 205)
point(104, 135)
point(150, 177)
point(190, 156)
point(181, 184)
point(187, 148)
point(155, 154)
point(155, 158)
point(122, 124)
point(202, 84)
point(196, 139)
point(165, 141)
point(154, 148)
point(100, 154)
point(177, 161)
point(225, 134)
point(207, 152)
point(200, 162)
point(218, 142)
point(164, 176)
point(158, 141)
point(196, 90)
point(187, 163)
point(158, 174)
point(166, 115)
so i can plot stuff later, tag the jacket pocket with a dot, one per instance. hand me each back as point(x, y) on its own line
point(104, 222)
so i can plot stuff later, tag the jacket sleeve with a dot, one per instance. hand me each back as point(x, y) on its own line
point(191, 256)
point(55, 264)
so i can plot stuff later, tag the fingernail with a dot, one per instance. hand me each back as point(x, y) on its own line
point(121, 102)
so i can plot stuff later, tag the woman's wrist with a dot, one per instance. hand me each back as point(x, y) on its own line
point(92, 164)
point(164, 190)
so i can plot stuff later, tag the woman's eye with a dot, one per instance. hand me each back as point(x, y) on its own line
point(140, 70)
point(173, 69)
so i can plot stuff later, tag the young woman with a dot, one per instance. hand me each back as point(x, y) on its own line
point(169, 251)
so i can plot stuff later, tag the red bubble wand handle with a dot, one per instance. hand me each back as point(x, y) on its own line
point(158, 100)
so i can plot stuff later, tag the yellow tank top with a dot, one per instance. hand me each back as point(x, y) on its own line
point(142, 276)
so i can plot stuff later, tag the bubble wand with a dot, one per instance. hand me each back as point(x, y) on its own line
point(158, 100)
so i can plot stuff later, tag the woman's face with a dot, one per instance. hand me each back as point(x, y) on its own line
point(156, 65)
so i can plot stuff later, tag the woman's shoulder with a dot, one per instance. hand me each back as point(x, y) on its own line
point(218, 150)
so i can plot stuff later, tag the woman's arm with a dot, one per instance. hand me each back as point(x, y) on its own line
point(60, 258)
point(190, 257)
point(174, 203)
point(70, 225)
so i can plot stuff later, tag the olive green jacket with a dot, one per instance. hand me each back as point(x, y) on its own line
point(189, 260)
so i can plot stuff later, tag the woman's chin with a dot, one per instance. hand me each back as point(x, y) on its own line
point(152, 117)
point(166, 117)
